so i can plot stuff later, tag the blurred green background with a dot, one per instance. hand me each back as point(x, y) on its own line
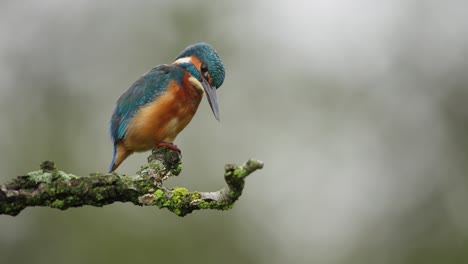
point(359, 110)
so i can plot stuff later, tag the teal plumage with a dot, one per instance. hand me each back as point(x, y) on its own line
point(151, 85)
point(163, 101)
point(205, 53)
point(143, 91)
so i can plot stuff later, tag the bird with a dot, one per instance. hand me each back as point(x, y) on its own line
point(161, 103)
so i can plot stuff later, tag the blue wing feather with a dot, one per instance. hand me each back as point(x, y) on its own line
point(145, 90)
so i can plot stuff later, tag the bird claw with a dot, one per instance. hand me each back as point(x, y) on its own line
point(168, 145)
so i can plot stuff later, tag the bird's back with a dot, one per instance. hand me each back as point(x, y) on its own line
point(142, 92)
point(153, 110)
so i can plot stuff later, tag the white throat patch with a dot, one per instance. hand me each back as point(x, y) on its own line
point(196, 83)
point(192, 79)
point(183, 60)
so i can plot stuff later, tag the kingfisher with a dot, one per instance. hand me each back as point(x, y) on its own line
point(161, 103)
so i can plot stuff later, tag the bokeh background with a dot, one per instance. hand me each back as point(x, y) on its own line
point(359, 110)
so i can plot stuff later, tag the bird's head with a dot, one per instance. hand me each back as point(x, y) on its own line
point(207, 71)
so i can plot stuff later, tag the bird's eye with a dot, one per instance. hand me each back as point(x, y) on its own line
point(204, 68)
point(204, 71)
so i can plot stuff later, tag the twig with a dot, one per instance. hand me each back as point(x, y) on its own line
point(54, 188)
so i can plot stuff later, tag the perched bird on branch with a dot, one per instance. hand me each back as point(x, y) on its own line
point(153, 111)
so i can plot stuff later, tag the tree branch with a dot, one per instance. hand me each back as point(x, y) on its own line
point(57, 189)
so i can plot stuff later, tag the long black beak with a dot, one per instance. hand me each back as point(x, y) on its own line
point(212, 98)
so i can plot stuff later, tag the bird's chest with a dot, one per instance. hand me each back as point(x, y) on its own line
point(164, 118)
point(184, 105)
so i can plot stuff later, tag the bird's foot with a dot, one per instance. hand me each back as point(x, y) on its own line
point(168, 145)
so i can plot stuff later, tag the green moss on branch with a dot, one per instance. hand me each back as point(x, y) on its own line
point(56, 189)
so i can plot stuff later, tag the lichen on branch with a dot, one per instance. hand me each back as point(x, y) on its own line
point(53, 188)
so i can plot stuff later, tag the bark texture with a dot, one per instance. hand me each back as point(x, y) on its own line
point(57, 189)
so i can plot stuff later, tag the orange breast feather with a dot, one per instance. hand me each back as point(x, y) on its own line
point(163, 119)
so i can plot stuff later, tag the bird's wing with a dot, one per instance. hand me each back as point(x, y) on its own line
point(145, 90)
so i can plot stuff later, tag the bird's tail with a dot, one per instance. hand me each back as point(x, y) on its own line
point(119, 155)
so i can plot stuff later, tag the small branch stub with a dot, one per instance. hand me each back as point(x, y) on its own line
point(53, 188)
